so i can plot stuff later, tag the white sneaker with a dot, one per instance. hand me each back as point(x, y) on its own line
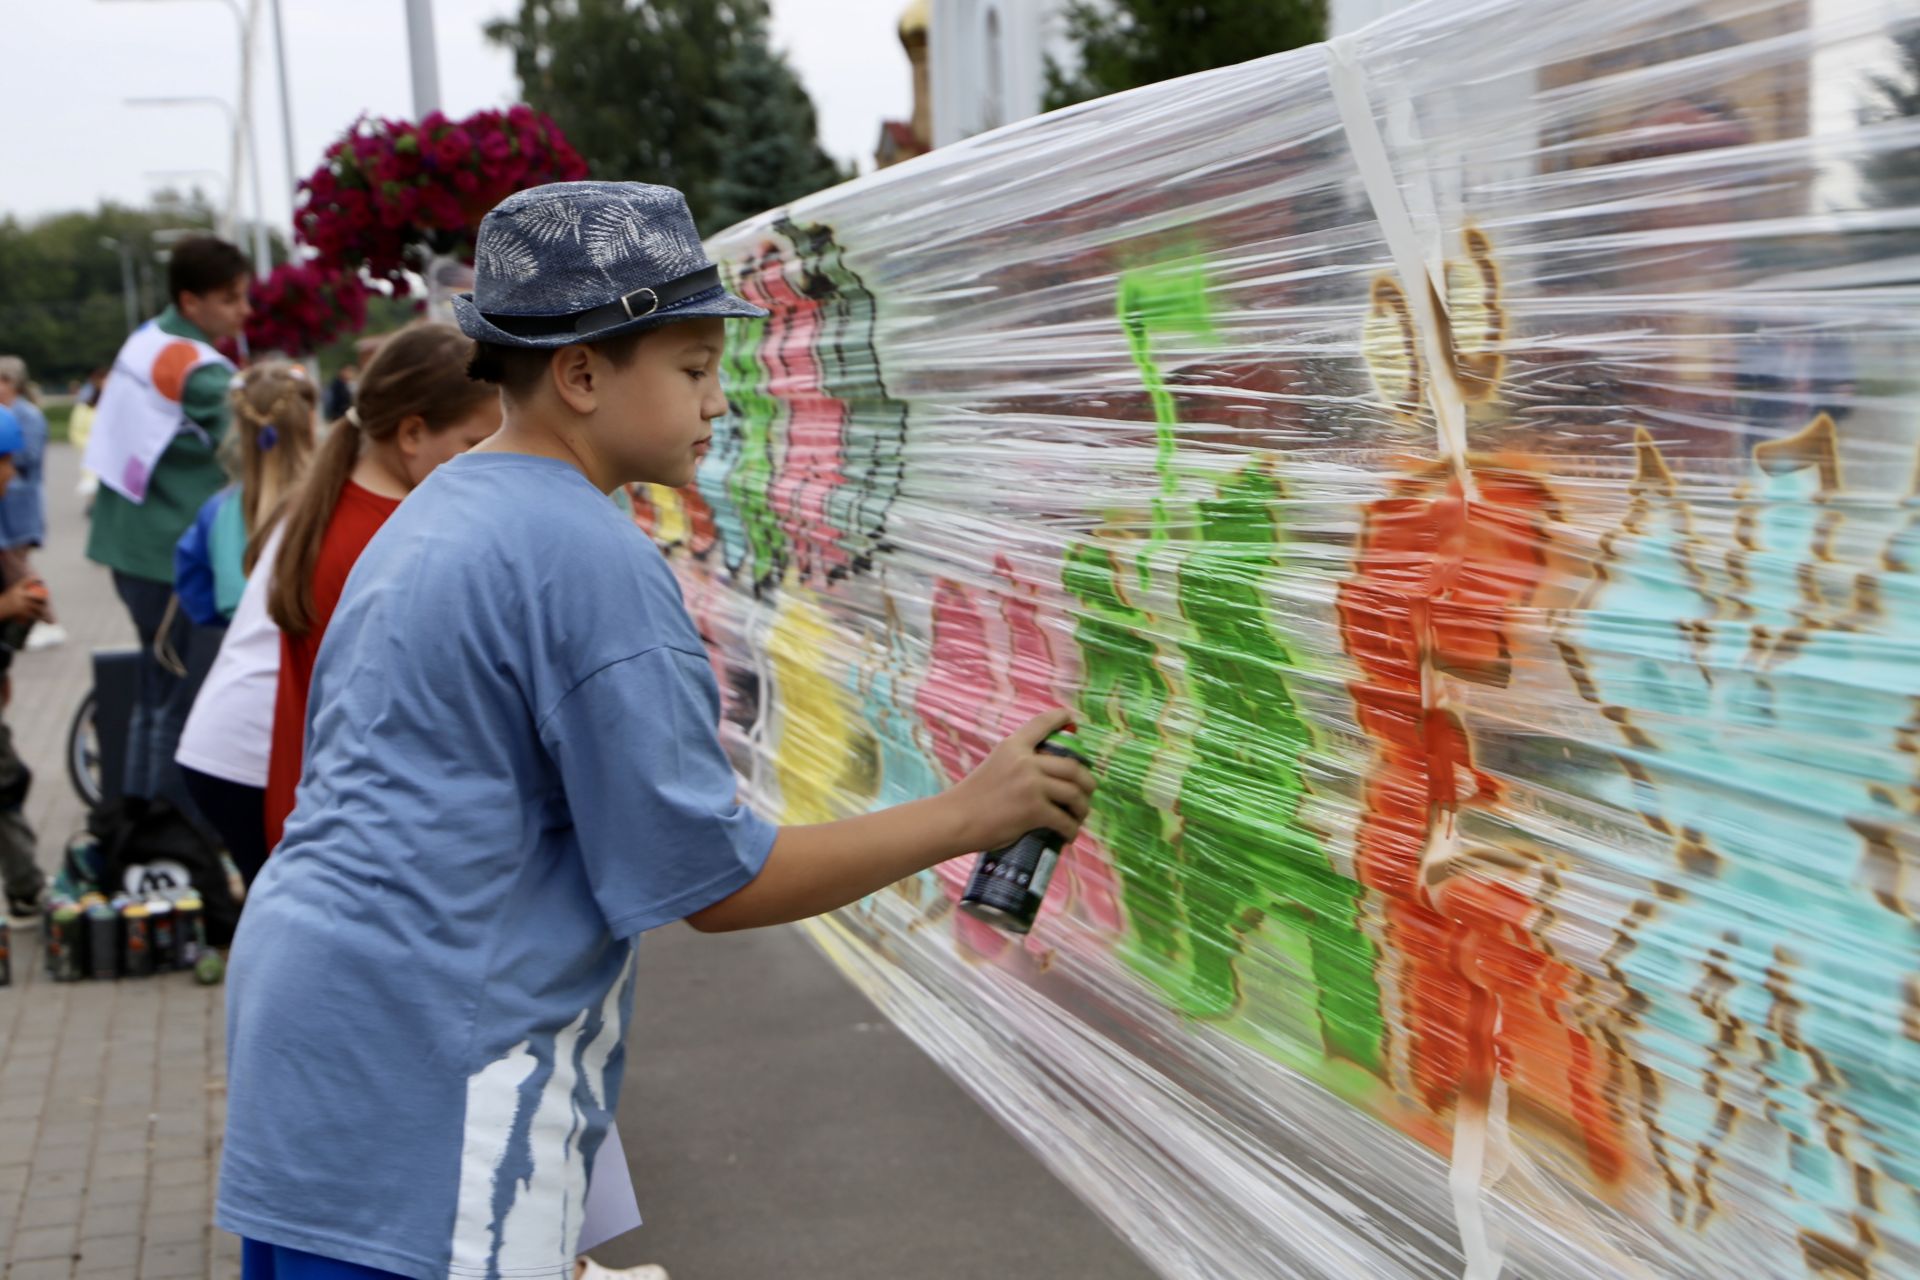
point(47, 635)
point(646, 1271)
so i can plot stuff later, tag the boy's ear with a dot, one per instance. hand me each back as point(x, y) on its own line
point(572, 374)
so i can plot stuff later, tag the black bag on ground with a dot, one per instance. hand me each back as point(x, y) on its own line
point(148, 846)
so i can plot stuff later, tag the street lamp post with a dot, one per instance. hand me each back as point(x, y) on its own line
point(286, 95)
point(262, 256)
point(426, 60)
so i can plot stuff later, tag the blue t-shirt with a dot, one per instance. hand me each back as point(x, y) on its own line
point(209, 561)
point(512, 769)
point(23, 508)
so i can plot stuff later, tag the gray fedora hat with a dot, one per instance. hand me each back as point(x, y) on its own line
point(581, 261)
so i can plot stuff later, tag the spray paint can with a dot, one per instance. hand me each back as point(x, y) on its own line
point(6, 953)
point(118, 906)
point(63, 942)
point(120, 933)
point(86, 932)
point(191, 926)
point(137, 933)
point(103, 941)
point(166, 937)
point(1008, 885)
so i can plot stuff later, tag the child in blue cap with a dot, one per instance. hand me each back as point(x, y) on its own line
point(22, 604)
point(512, 772)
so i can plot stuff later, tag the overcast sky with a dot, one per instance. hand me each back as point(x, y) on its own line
point(70, 140)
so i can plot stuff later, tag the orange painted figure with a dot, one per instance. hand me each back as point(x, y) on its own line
point(1442, 567)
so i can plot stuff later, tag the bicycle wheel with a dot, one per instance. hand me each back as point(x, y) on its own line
point(83, 754)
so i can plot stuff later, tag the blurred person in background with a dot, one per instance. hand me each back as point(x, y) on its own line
point(340, 392)
point(23, 510)
point(22, 604)
point(224, 747)
point(86, 402)
point(155, 446)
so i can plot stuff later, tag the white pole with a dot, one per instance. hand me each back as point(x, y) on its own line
point(286, 97)
point(262, 255)
point(232, 219)
point(426, 63)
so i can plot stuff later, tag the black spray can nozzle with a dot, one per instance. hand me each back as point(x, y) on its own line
point(1008, 885)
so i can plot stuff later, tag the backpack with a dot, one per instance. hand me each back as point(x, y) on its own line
point(146, 848)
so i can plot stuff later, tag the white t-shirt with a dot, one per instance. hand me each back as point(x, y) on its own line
point(229, 732)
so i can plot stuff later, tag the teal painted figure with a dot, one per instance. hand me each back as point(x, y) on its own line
point(1766, 685)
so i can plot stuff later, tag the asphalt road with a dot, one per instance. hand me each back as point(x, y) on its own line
point(778, 1127)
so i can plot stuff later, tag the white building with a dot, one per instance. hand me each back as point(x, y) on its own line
point(988, 57)
point(989, 62)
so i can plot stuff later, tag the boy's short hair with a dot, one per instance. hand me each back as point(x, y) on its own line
point(201, 264)
point(517, 370)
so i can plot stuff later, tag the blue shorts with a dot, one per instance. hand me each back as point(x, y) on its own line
point(277, 1262)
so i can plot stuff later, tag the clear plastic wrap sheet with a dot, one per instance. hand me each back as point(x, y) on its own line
point(1463, 480)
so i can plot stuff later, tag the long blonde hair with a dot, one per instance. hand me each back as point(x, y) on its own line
point(269, 443)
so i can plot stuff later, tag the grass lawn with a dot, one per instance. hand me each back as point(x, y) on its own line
point(57, 414)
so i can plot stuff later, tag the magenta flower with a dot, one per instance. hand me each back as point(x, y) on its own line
point(391, 195)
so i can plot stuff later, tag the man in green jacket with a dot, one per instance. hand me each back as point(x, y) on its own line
point(155, 446)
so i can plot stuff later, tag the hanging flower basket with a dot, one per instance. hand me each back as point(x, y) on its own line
point(303, 306)
point(392, 195)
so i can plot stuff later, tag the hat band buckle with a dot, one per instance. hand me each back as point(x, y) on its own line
point(653, 303)
point(622, 310)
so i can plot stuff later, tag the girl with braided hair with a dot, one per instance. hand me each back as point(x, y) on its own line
point(223, 749)
point(273, 406)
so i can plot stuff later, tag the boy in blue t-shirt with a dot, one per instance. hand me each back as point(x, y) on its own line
point(512, 771)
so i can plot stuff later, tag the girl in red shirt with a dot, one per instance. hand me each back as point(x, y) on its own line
point(415, 408)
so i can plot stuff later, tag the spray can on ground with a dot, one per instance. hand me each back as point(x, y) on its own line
point(6, 953)
point(190, 924)
point(166, 937)
point(86, 932)
point(103, 940)
point(64, 943)
point(1008, 885)
point(137, 932)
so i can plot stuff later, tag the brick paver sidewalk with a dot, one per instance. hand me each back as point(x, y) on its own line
point(111, 1093)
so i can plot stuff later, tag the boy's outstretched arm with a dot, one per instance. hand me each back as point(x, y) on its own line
point(820, 868)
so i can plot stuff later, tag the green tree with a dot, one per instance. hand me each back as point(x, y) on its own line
point(772, 151)
point(62, 305)
point(1891, 175)
point(662, 91)
point(1126, 43)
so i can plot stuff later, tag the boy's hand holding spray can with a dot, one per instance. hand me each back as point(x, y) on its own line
point(1009, 883)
